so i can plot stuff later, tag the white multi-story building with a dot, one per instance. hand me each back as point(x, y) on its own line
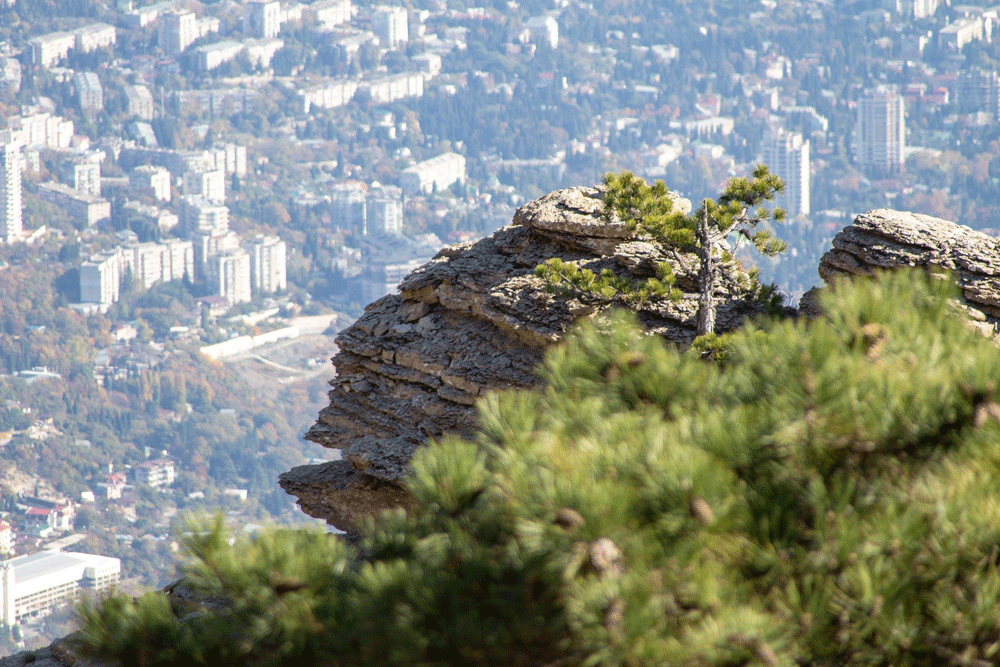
point(94, 36)
point(200, 216)
point(978, 90)
point(177, 31)
point(880, 144)
point(390, 25)
point(544, 30)
point(210, 185)
point(232, 158)
point(436, 173)
point(86, 209)
point(89, 93)
point(428, 63)
point(152, 215)
point(140, 17)
point(6, 538)
point(385, 211)
point(961, 31)
point(211, 56)
point(41, 130)
point(261, 51)
point(82, 173)
point(178, 259)
point(208, 245)
point(155, 473)
point(10, 193)
point(329, 13)
point(152, 180)
point(386, 89)
point(787, 155)
point(10, 78)
point(262, 18)
point(144, 261)
point(32, 586)
point(229, 275)
point(101, 278)
point(139, 102)
point(328, 95)
point(267, 264)
point(47, 50)
point(348, 207)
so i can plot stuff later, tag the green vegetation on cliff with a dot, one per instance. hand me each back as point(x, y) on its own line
point(827, 496)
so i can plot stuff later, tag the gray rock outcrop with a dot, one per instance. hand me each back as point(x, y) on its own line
point(886, 239)
point(477, 319)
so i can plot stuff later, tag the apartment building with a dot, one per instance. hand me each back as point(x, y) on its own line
point(268, 264)
point(155, 473)
point(787, 155)
point(32, 586)
point(880, 144)
point(436, 173)
point(10, 193)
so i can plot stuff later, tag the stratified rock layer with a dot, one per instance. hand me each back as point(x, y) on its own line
point(477, 319)
point(886, 239)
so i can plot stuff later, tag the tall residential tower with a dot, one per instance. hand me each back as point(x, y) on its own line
point(787, 155)
point(880, 144)
point(10, 193)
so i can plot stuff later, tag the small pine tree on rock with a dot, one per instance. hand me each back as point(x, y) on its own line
point(648, 210)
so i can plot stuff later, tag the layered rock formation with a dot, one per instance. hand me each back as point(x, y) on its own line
point(477, 319)
point(886, 239)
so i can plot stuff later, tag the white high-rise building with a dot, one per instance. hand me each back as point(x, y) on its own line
point(209, 185)
point(89, 92)
point(390, 26)
point(267, 264)
point(880, 144)
point(348, 208)
point(229, 274)
point(10, 193)
point(177, 31)
point(100, 279)
point(787, 155)
point(200, 216)
point(139, 102)
point(82, 173)
point(262, 19)
point(152, 180)
point(385, 211)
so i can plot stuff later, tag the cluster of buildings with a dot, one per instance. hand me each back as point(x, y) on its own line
point(214, 257)
point(47, 50)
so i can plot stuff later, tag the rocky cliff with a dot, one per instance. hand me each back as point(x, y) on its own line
point(477, 319)
point(886, 239)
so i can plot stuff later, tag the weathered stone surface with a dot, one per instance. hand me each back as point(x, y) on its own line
point(886, 239)
point(476, 319)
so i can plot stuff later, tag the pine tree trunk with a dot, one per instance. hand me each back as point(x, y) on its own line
point(706, 302)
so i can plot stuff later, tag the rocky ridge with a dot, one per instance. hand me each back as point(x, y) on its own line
point(885, 239)
point(476, 319)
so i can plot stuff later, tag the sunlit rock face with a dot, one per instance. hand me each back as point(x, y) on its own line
point(473, 320)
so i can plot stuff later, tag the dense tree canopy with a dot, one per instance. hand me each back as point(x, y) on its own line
point(824, 496)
